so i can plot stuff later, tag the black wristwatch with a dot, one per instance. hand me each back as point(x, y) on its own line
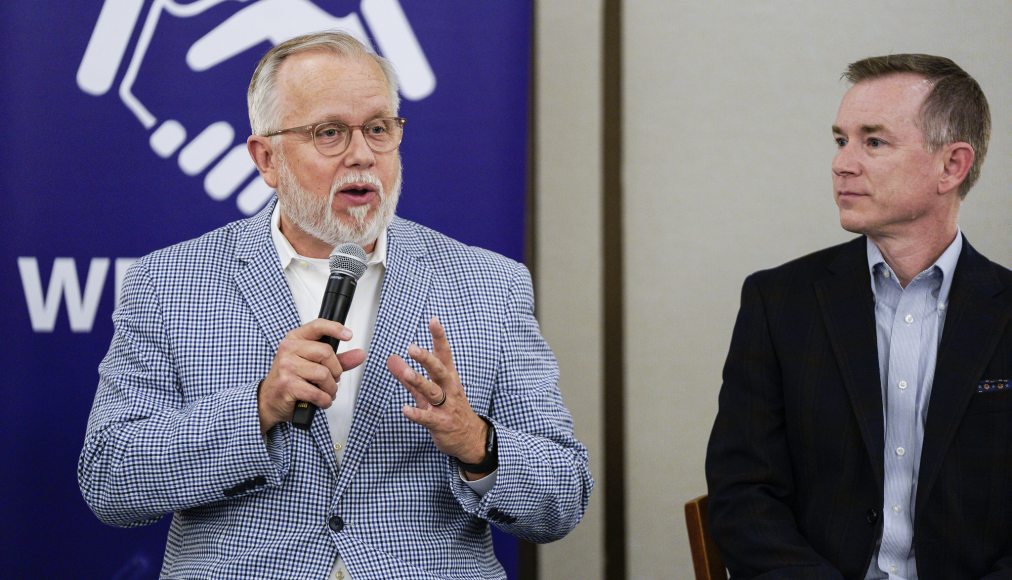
point(491, 461)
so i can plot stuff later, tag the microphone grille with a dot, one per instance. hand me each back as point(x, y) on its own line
point(348, 259)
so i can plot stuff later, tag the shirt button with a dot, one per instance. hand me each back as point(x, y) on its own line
point(941, 307)
point(336, 523)
point(901, 451)
point(892, 569)
point(338, 446)
point(897, 509)
point(885, 273)
point(909, 318)
point(902, 385)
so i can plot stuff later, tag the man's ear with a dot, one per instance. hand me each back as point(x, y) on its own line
point(957, 159)
point(262, 153)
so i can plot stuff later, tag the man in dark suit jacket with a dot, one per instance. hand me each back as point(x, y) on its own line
point(865, 420)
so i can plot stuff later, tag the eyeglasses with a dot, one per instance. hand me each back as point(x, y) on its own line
point(332, 137)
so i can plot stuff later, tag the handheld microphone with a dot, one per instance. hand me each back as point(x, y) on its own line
point(347, 264)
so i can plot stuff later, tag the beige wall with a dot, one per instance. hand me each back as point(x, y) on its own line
point(568, 213)
point(726, 115)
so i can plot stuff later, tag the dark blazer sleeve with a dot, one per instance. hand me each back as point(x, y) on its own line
point(748, 463)
point(963, 523)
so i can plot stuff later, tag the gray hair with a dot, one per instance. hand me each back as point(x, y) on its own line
point(262, 98)
point(955, 110)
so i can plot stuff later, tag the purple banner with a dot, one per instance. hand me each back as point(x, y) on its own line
point(125, 125)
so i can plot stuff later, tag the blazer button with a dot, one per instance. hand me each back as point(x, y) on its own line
point(871, 516)
point(336, 523)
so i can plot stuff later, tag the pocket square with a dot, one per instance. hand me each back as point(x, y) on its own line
point(993, 386)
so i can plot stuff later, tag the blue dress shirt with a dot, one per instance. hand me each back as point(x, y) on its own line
point(909, 324)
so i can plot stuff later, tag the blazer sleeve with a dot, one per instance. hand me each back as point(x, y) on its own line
point(543, 482)
point(748, 462)
point(1001, 569)
point(148, 450)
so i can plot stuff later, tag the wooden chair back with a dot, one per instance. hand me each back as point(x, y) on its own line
point(706, 558)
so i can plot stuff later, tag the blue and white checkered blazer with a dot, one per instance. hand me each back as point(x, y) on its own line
point(174, 427)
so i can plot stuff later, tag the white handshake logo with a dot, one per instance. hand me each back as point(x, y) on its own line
point(265, 20)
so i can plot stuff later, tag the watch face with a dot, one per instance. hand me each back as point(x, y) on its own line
point(490, 440)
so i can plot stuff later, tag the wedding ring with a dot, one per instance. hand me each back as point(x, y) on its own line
point(442, 400)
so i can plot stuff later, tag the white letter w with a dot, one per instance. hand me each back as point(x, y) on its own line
point(62, 283)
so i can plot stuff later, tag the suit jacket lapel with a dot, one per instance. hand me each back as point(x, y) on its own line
point(848, 309)
point(262, 283)
point(399, 319)
point(973, 327)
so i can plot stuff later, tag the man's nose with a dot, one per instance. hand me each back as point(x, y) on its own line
point(844, 162)
point(359, 154)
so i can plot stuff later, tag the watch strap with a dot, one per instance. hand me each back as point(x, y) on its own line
point(491, 461)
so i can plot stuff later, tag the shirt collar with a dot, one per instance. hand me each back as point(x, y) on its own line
point(946, 263)
point(287, 253)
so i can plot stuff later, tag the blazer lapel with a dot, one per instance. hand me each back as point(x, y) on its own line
point(262, 283)
point(402, 301)
point(848, 309)
point(973, 327)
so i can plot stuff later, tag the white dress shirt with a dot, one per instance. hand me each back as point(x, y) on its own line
point(307, 279)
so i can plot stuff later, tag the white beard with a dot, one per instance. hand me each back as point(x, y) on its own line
point(313, 214)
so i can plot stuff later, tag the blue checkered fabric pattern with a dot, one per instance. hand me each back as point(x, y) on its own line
point(174, 427)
